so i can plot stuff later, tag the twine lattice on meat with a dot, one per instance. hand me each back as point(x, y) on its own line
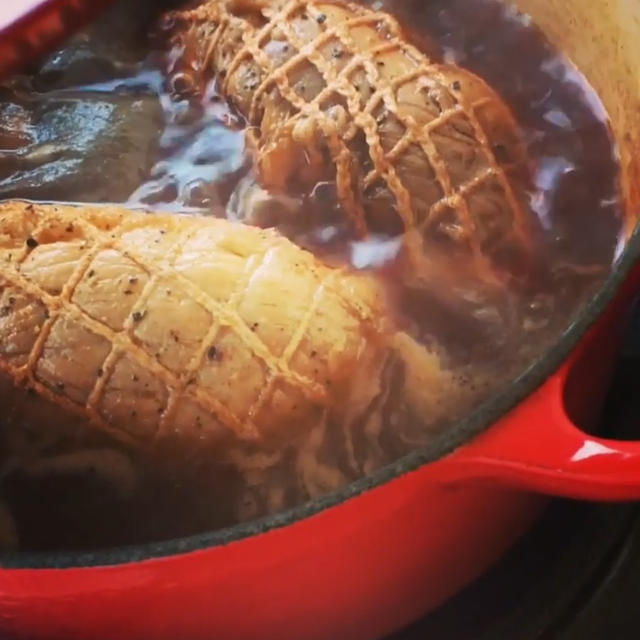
point(333, 90)
point(56, 340)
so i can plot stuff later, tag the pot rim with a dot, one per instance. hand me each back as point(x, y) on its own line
point(463, 431)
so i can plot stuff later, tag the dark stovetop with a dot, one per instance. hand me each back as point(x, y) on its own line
point(576, 575)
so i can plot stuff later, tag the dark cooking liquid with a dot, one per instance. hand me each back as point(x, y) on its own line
point(98, 123)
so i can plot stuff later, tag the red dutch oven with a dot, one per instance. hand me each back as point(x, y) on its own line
point(376, 555)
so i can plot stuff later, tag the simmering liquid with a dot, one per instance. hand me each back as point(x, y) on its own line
point(100, 121)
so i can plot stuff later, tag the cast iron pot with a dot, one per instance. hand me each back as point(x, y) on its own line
point(369, 559)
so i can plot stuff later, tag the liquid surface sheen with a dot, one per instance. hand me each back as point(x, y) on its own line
point(112, 117)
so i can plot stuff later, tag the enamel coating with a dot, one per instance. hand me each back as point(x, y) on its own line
point(28, 28)
point(370, 564)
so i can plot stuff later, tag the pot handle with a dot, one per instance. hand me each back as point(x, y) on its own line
point(551, 456)
point(537, 447)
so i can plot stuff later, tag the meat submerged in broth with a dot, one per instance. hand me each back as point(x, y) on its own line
point(333, 92)
point(121, 423)
point(171, 334)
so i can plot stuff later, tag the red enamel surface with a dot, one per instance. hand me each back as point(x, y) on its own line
point(369, 565)
point(28, 28)
point(357, 571)
point(538, 447)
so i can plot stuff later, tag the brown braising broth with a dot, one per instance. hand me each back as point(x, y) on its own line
point(98, 121)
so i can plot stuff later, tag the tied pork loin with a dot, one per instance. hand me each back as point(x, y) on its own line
point(178, 333)
point(333, 91)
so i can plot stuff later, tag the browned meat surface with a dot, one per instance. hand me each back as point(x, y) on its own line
point(334, 92)
point(176, 329)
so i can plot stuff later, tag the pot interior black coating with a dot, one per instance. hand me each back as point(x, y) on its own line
point(451, 439)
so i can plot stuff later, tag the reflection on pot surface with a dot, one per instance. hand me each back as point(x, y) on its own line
point(444, 193)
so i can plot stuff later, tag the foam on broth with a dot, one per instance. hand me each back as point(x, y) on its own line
point(99, 121)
